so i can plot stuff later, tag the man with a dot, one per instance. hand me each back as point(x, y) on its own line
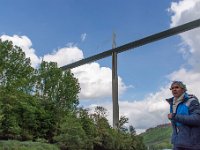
point(185, 118)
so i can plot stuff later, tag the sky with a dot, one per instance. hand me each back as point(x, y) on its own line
point(65, 31)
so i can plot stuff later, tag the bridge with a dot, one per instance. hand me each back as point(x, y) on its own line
point(114, 51)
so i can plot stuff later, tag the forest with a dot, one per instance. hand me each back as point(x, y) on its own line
point(42, 105)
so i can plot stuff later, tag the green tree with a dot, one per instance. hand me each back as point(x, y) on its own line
point(72, 135)
point(121, 125)
point(103, 139)
point(33, 101)
point(16, 72)
point(16, 81)
point(58, 92)
point(132, 130)
point(57, 86)
point(88, 126)
point(42, 104)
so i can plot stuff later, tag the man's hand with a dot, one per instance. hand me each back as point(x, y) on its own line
point(170, 116)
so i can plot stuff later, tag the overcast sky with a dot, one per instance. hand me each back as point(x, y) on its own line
point(66, 31)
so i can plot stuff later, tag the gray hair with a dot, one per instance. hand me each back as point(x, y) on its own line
point(180, 83)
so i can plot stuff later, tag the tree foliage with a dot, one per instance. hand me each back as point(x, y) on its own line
point(42, 105)
point(33, 101)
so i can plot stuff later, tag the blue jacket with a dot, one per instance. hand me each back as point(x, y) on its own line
point(186, 123)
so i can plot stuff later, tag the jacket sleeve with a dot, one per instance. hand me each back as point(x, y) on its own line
point(193, 119)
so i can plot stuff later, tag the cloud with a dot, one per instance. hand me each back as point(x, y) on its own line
point(83, 37)
point(145, 113)
point(64, 55)
point(185, 11)
point(96, 81)
point(25, 43)
point(153, 109)
point(190, 77)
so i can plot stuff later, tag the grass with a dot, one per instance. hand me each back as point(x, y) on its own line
point(27, 145)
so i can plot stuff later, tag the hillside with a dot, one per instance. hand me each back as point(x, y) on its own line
point(158, 137)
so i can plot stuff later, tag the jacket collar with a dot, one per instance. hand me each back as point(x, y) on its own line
point(185, 98)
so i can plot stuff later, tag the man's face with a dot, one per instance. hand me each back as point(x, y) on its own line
point(177, 91)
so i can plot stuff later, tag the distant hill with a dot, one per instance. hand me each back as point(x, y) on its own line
point(158, 138)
